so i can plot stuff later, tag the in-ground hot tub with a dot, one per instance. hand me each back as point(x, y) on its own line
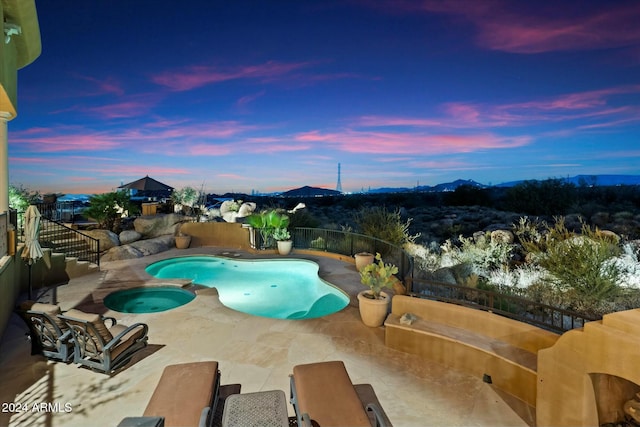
point(148, 300)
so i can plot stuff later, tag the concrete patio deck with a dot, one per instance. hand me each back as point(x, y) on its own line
point(258, 353)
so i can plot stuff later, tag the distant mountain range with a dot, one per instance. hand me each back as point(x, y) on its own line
point(589, 180)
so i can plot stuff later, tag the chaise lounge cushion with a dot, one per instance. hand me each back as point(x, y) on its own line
point(50, 309)
point(182, 393)
point(95, 320)
point(325, 392)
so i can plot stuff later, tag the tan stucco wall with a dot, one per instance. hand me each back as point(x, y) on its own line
point(461, 338)
point(9, 290)
point(225, 234)
point(601, 353)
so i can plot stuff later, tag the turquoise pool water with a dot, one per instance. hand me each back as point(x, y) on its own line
point(147, 300)
point(277, 288)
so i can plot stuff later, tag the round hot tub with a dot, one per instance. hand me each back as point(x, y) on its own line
point(148, 300)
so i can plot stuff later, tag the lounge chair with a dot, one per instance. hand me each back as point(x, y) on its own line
point(186, 395)
point(103, 348)
point(49, 335)
point(323, 393)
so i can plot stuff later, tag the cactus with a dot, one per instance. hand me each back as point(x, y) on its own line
point(378, 275)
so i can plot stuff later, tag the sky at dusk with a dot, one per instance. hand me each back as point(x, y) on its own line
point(267, 96)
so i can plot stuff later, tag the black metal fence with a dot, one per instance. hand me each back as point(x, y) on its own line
point(67, 211)
point(541, 315)
point(69, 241)
point(346, 243)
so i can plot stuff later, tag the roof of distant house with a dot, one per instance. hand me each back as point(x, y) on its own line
point(146, 184)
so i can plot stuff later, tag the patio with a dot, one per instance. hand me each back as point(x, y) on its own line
point(256, 352)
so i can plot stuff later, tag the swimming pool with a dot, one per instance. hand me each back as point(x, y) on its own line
point(277, 288)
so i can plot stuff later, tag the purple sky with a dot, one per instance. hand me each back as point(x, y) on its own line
point(272, 95)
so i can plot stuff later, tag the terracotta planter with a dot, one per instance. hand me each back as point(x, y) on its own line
point(183, 242)
point(285, 246)
point(363, 259)
point(373, 312)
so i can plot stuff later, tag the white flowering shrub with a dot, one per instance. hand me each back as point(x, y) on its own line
point(483, 254)
point(521, 277)
point(424, 258)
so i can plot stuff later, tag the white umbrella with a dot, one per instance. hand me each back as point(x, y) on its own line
point(32, 251)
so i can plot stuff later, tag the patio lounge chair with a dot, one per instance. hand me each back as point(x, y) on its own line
point(186, 395)
point(323, 393)
point(49, 335)
point(100, 348)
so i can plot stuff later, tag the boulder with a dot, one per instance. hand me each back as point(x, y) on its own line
point(502, 236)
point(139, 249)
point(121, 252)
point(129, 236)
point(108, 239)
point(442, 275)
point(155, 245)
point(158, 225)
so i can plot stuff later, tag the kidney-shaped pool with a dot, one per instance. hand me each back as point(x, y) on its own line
point(277, 288)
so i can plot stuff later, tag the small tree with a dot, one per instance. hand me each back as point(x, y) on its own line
point(20, 197)
point(384, 224)
point(108, 209)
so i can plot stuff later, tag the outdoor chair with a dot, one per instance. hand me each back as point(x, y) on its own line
point(101, 348)
point(49, 335)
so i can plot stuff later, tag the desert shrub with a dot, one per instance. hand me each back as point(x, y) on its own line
point(518, 278)
point(424, 258)
point(579, 264)
point(479, 251)
point(384, 224)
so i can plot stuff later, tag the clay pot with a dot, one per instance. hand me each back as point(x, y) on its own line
point(363, 259)
point(373, 312)
point(183, 242)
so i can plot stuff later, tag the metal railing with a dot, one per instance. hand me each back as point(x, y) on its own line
point(68, 212)
point(517, 308)
point(69, 241)
point(346, 243)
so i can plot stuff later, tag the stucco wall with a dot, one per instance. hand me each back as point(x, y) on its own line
point(225, 234)
point(582, 372)
point(9, 290)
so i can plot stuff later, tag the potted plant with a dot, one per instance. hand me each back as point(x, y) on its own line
point(373, 303)
point(182, 240)
point(267, 222)
point(363, 259)
point(283, 239)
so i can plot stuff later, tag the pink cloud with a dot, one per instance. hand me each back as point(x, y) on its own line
point(121, 110)
point(54, 142)
point(209, 150)
point(231, 176)
point(536, 29)
point(403, 143)
point(372, 121)
point(106, 86)
point(198, 76)
point(248, 99)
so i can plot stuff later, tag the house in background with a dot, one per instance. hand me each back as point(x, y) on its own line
point(147, 189)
